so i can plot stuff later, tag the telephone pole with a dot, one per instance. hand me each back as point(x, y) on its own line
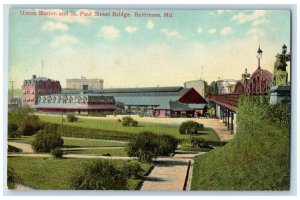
point(12, 88)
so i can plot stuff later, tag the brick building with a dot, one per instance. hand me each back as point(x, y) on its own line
point(33, 88)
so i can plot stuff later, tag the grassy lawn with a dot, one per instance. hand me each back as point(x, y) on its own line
point(113, 125)
point(112, 152)
point(71, 142)
point(49, 173)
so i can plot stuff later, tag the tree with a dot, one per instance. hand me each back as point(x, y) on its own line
point(13, 130)
point(147, 146)
point(100, 175)
point(190, 127)
point(166, 144)
point(46, 141)
point(143, 146)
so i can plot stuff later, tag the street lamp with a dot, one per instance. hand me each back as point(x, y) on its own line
point(259, 56)
point(246, 76)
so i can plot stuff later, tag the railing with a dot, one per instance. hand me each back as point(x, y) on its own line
point(227, 100)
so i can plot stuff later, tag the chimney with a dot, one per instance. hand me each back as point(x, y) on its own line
point(33, 76)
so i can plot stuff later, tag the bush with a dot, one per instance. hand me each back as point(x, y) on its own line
point(100, 175)
point(13, 130)
point(134, 123)
point(12, 178)
point(128, 121)
point(57, 153)
point(143, 146)
point(190, 127)
point(30, 126)
point(166, 144)
point(46, 141)
point(71, 118)
point(147, 146)
point(13, 149)
point(132, 169)
point(119, 120)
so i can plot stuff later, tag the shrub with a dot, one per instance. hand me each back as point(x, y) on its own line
point(119, 120)
point(166, 144)
point(128, 121)
point(30, 126)
point(12, 178)
point(132, 169)
point(71, 118)
point(13, 130)
point(190, 127)
point(13, 149)
point(134, 123)
point(57, 153)
point(100, 175)
point(147, 146)
point(46, 141)
point(143, 146)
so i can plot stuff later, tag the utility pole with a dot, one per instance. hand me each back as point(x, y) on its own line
point(42, 67)
point(12, 88)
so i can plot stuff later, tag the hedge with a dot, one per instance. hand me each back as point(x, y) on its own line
point(79, 132)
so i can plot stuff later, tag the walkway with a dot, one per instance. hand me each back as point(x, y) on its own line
point(169, 173)
point(26, 148)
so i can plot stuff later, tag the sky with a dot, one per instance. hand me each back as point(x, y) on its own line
point(144, 51)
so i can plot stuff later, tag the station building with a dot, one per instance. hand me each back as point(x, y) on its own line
point(82, 103)
point(152, 101)
point(33, 88)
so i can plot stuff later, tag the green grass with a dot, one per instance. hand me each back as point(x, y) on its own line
point(69, 142)
point(49, 173)
point(23, 139)
point(112, 152)
point(253, 162)
point(113, 125)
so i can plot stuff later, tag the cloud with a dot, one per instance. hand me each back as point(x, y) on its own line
point(199, 30)
point(170, 33)
point(226, 30)
point(51, 26)
point(131, 29)
point(109, 32)
point(212, 31)
point(150, 24)
point(256, 33)
point(242, 18)
point(63, 40)
point(260, 21)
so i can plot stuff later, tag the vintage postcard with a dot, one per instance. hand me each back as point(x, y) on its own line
point(150, 100)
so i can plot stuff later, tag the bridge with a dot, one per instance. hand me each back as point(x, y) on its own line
point(258, 83)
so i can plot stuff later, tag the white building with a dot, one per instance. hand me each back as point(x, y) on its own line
point(198, 85)
point(94, 83)
point(226, 86)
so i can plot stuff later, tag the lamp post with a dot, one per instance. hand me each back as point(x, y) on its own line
point(246, 77)
point(259, 56)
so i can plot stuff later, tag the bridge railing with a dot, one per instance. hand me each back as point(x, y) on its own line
point(228, 99)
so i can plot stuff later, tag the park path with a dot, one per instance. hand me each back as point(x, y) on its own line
point(169, 173)
point(26, 148)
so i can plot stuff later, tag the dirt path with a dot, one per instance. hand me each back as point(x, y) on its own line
point(100, 140)
point(26, 148)
point(169, 173)
point(83, 148)
point(71, 156)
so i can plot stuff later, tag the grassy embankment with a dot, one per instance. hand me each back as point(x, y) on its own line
point(257, 159)
point(112, 125)
point(34, 172)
